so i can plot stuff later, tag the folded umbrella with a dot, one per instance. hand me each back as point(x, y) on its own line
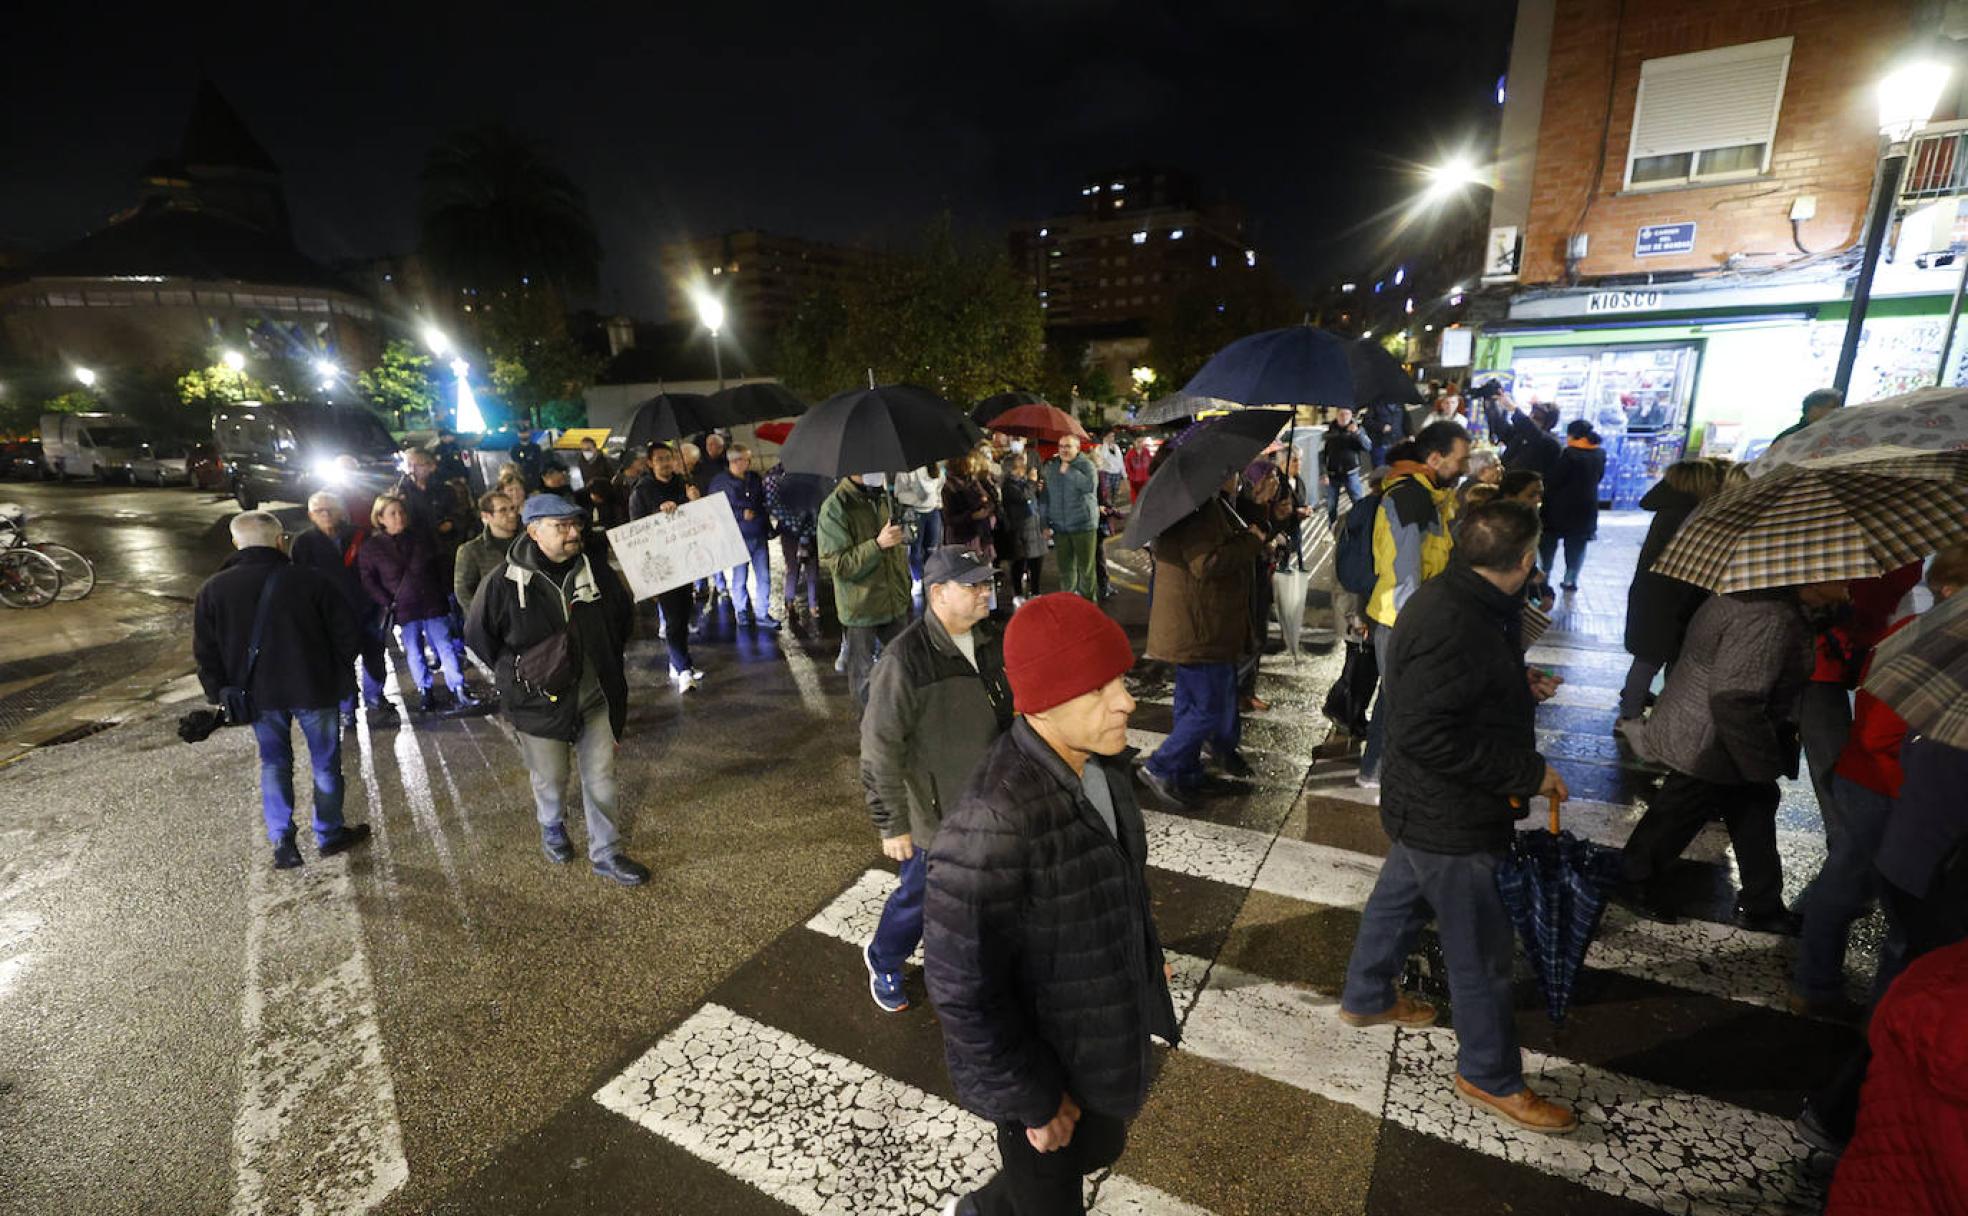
point(1801, 524)
point(1555, 887)
point(1303, 365)
point(998, 403)
point(668, 417)
point(758, 402)
point(1927, 420)
point(1202, 457)
point(1921, 673)
point(1288, 592)
point(1045, 423)
point(890, 429)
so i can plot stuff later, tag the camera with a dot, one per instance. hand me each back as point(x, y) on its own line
point(1486, 390)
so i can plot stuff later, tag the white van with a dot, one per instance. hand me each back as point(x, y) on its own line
point(103, 446)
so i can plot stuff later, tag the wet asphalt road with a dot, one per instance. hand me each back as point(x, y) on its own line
point(441, 1022)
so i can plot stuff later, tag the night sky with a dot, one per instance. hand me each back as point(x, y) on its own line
point(845, 121)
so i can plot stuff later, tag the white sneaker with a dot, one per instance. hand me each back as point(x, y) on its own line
point(684, 680)
point(1366, 783)
point(1017, 602)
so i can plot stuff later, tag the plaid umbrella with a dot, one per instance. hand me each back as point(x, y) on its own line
point(1554, 887)
point(1929, 420)
point(1921, 673)
point(1811, 525)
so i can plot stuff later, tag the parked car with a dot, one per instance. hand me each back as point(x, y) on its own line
point(102, 446)
point(284, 451)
point(24, 461)
point(179, 464)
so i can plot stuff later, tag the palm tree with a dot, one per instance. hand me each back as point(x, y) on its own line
point(496, 216)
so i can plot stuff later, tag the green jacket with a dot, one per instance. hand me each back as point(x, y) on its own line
point(476, 558)
point(871, 584)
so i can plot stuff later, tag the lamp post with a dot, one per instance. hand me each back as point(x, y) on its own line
point(85, 377)
point(1907, 97)
point(710, 310)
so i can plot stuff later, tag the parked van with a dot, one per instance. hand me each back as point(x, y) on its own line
point(284, 451)
point(103, 446)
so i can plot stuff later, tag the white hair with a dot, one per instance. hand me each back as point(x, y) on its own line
point(250, 528)
point(326, 498)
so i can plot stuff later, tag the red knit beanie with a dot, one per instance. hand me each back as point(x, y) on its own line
point(1061, 646)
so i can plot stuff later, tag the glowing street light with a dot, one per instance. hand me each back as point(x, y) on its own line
point(435, 340)
point(85, 377)
point(710, 310)
point(234, 360)
point(1144, 379)
point(327, 369)
point(1450, 176)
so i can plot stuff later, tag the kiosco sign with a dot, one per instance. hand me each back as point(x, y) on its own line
point(1624, 301)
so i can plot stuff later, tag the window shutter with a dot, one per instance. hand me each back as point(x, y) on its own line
point(1710, 99)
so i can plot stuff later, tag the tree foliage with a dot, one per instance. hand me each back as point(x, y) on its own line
point(495, 215)
point(537, 368)
point(1211, 313)
point(216, 385)
point(948, 314)
point(400, 387)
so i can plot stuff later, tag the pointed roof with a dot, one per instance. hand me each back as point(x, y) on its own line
point(217, 136)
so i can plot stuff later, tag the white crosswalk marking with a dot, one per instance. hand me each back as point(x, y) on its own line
point(818, 1131)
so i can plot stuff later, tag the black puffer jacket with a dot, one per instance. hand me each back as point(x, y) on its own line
point(1462, 741)
point(1658, 608)
point(1038, 943)
point(518, 606)
point(1571, 492)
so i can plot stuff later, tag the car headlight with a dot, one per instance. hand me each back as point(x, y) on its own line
point(331, 472)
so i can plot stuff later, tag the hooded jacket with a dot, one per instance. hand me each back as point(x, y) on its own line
point(1039, 941)
point(519, 605)
point(930, 718)
point(1411, 539)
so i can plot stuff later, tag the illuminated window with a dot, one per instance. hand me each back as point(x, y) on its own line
point(1175, 234)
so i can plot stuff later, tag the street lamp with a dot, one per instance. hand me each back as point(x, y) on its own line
point(85, 377)
point(234, 360)
point(710, 310)
point(1907, 97)
point(434, 339)
point(1450, 176)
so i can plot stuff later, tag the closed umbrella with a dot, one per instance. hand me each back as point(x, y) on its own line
point(760, 402)
point(1802, 525)
point(668, 417)
point(1929, 420)
point(1194, 471)
point(1555, 887)
point(1037, 420)
point(1921, 673)
point(1288, 592)
point(890, 429)
point(998, 403)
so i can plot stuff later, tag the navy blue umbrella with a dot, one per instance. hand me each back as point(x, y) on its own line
point(1555, 887)
point(1303, 365)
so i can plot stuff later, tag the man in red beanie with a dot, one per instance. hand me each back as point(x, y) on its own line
point(1039, 947)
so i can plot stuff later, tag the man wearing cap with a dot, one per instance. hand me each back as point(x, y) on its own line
point(553, 626)
point(1039, 944)
point(937, 700)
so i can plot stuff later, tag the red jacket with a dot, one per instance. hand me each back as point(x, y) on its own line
point(1842, 650)
point(1909, 1154)
point(1872, 751)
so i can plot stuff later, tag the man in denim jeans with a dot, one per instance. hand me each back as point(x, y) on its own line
point(304, 666)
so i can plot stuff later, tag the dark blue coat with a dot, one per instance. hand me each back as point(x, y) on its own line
point(746, 493)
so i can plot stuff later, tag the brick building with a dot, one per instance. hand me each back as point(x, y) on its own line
point(1680, 195)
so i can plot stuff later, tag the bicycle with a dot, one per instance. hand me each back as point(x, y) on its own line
point(28, 579)
point(78, 573)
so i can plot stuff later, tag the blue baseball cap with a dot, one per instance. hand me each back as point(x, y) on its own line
point(547, 506)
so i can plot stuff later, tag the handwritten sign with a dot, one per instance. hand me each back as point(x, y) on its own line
point(667, 550)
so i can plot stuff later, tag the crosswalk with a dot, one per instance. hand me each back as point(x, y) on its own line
point(1682, 1059)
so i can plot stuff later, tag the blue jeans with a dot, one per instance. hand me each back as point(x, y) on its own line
point(1355, 488)
point(1574, 556)
point(1477, 945)
point(900, 930)
point(370, 666)
point(1205, 712)
point(1855, 822)
point(746, 599)
point(322, 728)
point(437, 631)
point(929, 536)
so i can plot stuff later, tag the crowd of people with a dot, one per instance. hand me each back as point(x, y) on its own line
point(993, 718)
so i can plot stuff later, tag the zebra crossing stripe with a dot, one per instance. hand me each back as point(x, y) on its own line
point(1665, 1148)
point(818, 1131)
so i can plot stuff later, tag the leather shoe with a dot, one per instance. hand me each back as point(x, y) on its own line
point(554, 843)
point(1163, 789)
point(384, 715)
point(286, 854)
point(1405, 1011)
point(621, 869)
point(1779, 920)
point(1641, 899)
point(1523, 1108)
point(345, 838)
point(1233, 764)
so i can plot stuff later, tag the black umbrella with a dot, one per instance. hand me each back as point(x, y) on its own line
point(1177, 406)
point(1204, 455)
point(759, 402)
point(998, 403)
point(671, 416)
point(1303, 365)
point(890, 429)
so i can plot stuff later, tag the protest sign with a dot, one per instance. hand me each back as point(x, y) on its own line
point(666, 550)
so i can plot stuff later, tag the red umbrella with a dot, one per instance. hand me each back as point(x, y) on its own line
point(1045, 423)
point(773, 432)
